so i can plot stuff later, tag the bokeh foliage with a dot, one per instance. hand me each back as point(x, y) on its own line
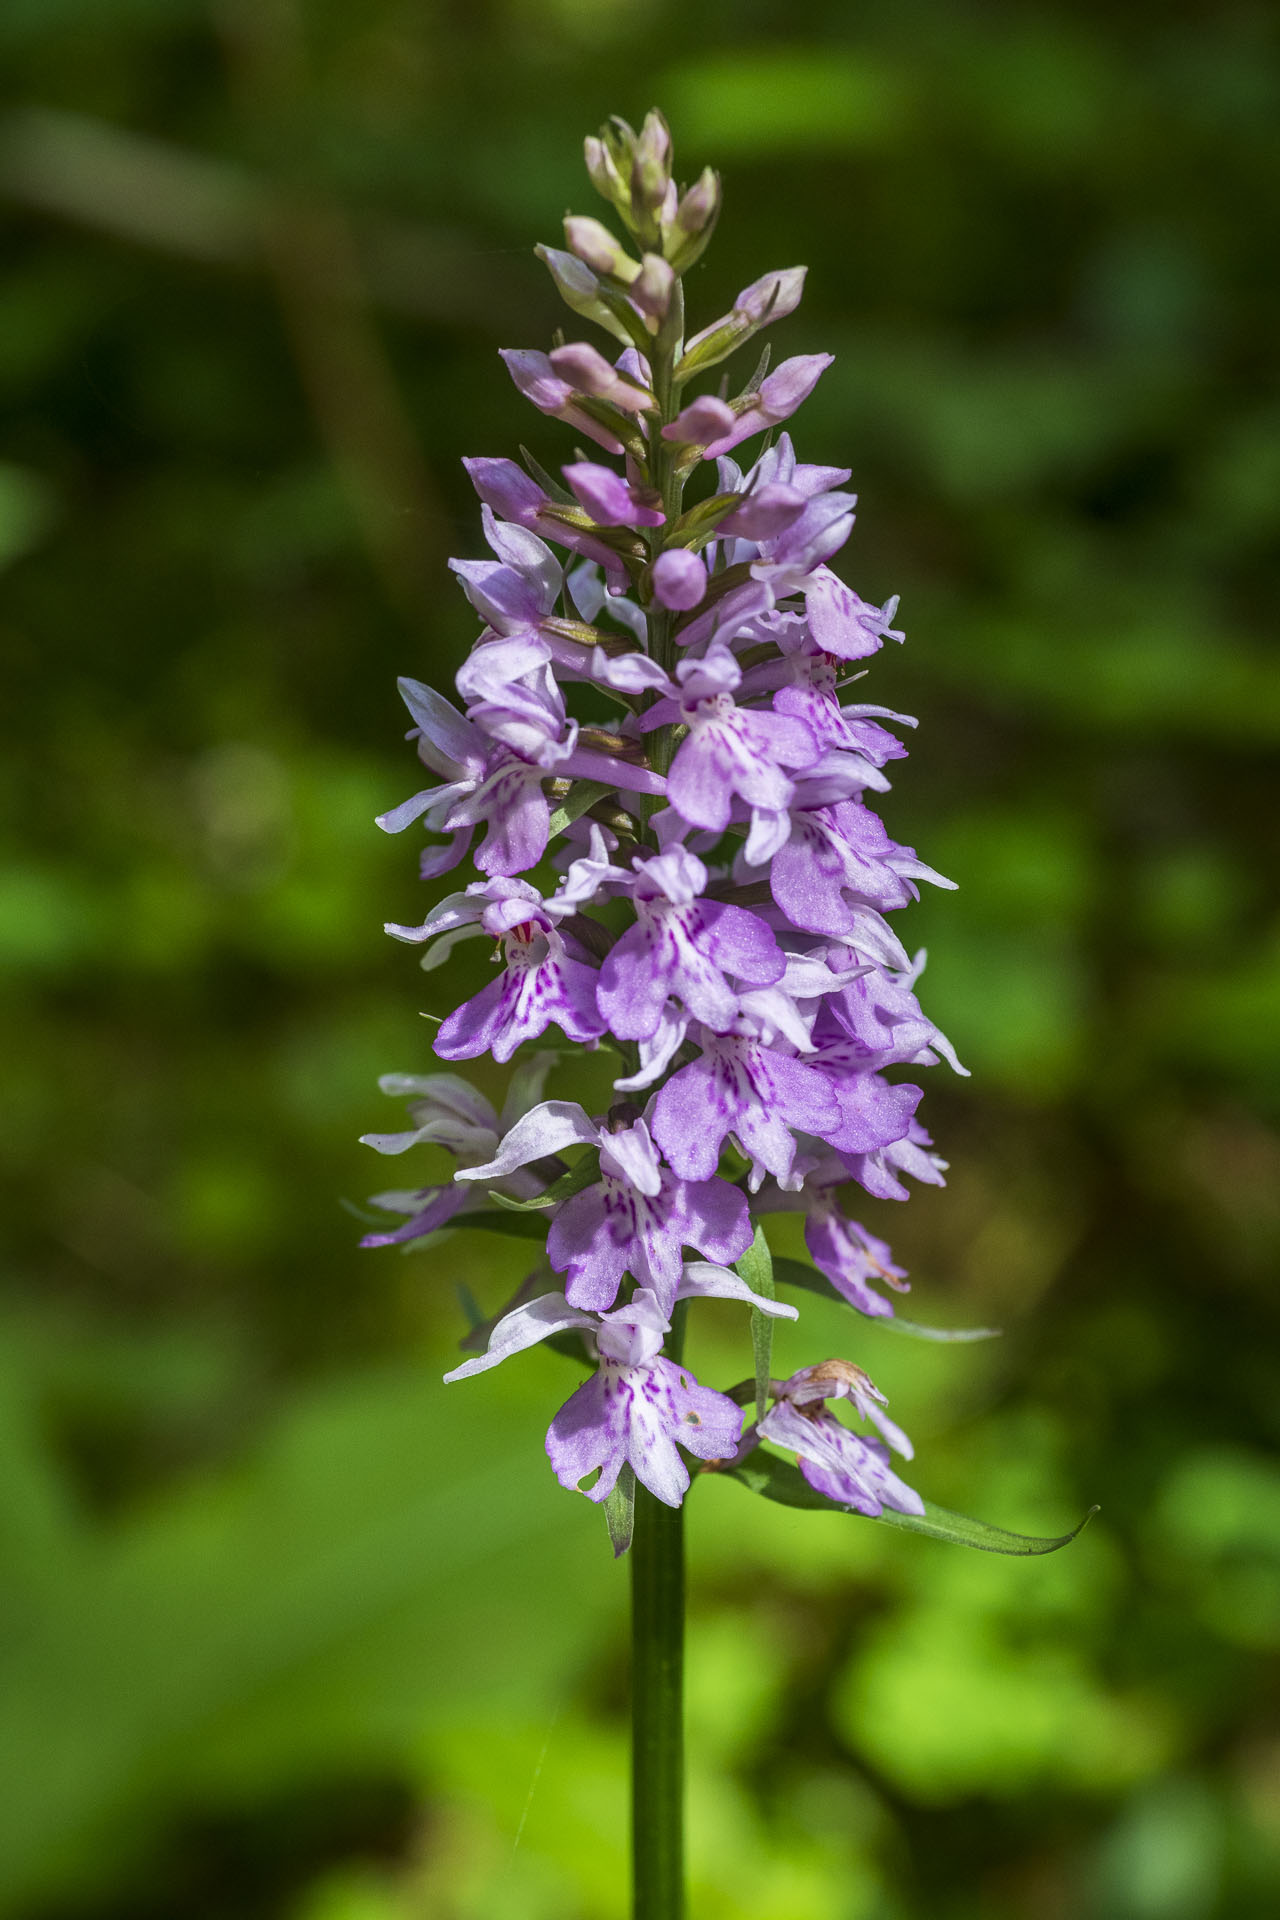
point(287, 1628)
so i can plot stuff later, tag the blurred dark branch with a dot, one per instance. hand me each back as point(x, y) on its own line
point(329, 266)
point(312, 253)
point(133, 187)
point(155, 194)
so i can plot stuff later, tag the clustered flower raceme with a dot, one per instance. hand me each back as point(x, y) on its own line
point(711, 881)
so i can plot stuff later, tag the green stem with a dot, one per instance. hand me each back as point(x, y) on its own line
point(662, 460)
point(657, 1545)
point(657, 1700)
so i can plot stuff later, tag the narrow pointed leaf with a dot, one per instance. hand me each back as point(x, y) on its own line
point(756, 1268)
point(585, 794)
point(564, 1188)
point(518, 1226)
point(782, 1481)
point(694, 528)
point(620, 1512)
point(470, 1305)
point(797, 1273)
point(545, 481)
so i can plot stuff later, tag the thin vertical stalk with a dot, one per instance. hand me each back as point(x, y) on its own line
point(657, 1701)
point(657, 1545)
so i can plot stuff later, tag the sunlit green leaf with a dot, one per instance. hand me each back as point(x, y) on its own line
point(796, 1273)
point(620, 1511)
point(756, 1268)
point(564, 1188)
point(584, 796)
point(782, 1481)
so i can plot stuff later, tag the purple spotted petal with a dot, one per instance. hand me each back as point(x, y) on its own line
point(540, 987)
point(740, 1087)
point(611, 1229)
point(637, 1415)
point(851, 1258)
point(684, 952)
point(837, 1463)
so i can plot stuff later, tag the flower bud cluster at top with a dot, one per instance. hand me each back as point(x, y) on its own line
point(712, 880)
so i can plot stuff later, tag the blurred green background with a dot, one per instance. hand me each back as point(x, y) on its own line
point(286, 1628)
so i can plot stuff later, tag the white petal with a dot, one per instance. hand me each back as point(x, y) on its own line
point(635, 1156)
point(769, 835)
point(657, 1054)
point(703, 1280)
point(543, 1130)
point(443, 945)
point(549, 1314)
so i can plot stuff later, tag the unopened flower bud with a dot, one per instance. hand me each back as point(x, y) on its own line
point(679, 579)
point(702, 421)
point(772, 297)
point(651, 165)
point(506, 488)
point(605, 177)
point(608, 498)
point(593, 243)
point(774, 401)
point(690, 227)
point(580, 290)
point(651, 290)
point(584, 368)
point(551, 393)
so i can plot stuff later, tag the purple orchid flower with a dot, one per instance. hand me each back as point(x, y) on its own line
point(738, 1086)
point(881, 1170)
point(850, 1257)
point(849, 1470)
point(729, 750)
point(637, 1219)
point(638, 1407)
point(448, 1113)
point(752, 985)
point(843, 624)
point(683, 947)
point(545, 980)
point(836, 858)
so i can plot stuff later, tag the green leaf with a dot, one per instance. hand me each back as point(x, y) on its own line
point(470, 1305)
point(796, 1273)
point(549, 486)
point(756, 1268)
point(694, 528)
point(519, 1226)
point(583, 1175)
point(620, 1511)
point(783, 1482)
point(585, 794)
point(939, 1523)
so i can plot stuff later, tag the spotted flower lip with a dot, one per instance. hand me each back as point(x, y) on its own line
point(729, 751)
point(683, 947)
point(657, 705)
point(636, 1219)
point(638, 1407)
